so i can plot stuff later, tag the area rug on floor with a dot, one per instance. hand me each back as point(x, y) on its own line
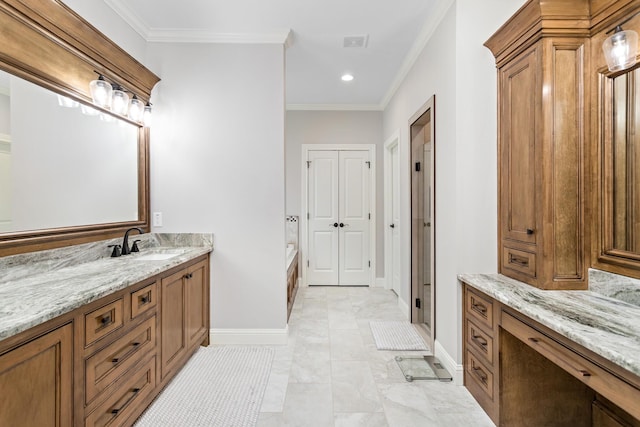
point(219, 386)
point(396, 336)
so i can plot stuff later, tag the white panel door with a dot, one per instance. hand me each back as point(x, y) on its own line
point(353, 204)
point(323, 218)
point(339, 217)
point(395, 215)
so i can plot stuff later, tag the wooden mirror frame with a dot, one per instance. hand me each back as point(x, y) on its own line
point(603, 255)
point(50, 45)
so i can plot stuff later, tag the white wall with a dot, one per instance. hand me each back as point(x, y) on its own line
point(334, 127)
point(217, 165)
point(460, 71)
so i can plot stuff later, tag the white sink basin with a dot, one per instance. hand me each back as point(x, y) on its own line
point(159, 256)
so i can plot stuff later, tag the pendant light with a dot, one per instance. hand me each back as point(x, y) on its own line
point(620, 49)
point(119, 100)
point(136, 109)
point(101, 92)
point(146, 117)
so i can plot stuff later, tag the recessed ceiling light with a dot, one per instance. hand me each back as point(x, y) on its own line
point(347, 77)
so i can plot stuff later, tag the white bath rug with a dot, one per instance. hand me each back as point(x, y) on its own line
point(219, 386)
point(396, 336)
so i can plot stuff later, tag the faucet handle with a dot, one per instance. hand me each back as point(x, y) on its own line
point(134, 247)
point(116, 251)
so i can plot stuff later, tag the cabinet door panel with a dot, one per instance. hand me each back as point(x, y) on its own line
point(519, 104)
point(173, 321)
point(196, 304)
point(39, 371)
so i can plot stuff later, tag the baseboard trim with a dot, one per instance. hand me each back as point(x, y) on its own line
point(381, 282)
point(456, 370)
point(250, 336)
point(404, 307)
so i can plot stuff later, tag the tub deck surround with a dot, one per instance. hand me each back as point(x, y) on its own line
point(40, 286)
point(607, 326)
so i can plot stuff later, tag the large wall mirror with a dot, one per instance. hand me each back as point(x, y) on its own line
point(62, 163)
point(69, 172)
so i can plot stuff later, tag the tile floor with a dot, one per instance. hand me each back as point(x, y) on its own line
point(331, 374)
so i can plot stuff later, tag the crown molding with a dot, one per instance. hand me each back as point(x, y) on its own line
point(186, 35)
point(182, 35)
point(334, 107)
point(427, 31)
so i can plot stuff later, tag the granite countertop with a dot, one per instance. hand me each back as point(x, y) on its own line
point(40, 286)
point(607, 326)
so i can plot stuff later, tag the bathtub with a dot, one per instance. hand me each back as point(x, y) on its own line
point(292, 253)
point(292, 276)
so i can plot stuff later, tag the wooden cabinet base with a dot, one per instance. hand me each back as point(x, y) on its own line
point(36, 381)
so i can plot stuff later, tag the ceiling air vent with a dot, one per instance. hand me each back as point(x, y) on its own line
point(356, 41)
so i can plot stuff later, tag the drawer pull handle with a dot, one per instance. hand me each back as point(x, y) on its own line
point(105, 319)
point(478, 339)
point(582, 372)
point(145, 299)
point(529, 231)
point(479, 307)
point(188, 276)
point(523, 262)
point(480, 373)
point(115, 411)
point(117, 359)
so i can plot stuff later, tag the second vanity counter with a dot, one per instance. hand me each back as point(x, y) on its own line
point(604, 325)
point(40, 286)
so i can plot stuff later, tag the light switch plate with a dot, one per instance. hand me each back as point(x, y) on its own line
point(157, 219)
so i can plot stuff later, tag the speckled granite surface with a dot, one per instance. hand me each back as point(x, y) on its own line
point(604, 325)
point(40, 286)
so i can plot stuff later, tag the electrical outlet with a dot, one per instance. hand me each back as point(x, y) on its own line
point(157, 219)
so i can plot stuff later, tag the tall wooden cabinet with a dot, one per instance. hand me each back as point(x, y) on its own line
point(542, 55)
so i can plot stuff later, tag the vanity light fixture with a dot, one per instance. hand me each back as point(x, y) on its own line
point(101, 92)
point(621, 48)
point(136, 109)
point(146, 116)
point(119, 100)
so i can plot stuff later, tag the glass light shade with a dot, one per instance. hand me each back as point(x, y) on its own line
point(66, 102)
point(101, 92)
point(620, 49)
point(119, 102)
point(136, 109)
point(88, 111)
point(146, 117)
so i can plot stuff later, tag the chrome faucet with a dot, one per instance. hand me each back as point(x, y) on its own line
point(125, 242)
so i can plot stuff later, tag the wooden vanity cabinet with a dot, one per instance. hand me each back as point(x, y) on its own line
point(543, 127)
point(480, 349)
point(36, 381)
point(528, 372)
point(184, 317)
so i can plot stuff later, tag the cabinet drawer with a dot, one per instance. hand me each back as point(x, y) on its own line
point(608, 385)
point(144, 300)
point(103, 321)
point(520, 261)
point(481, 342)
point(123, 401)
point(478, 375)
point(481, 308)
point(108, 364)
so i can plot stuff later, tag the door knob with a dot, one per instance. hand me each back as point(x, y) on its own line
point(335, 224)
point(341, 225)
point(392, 226)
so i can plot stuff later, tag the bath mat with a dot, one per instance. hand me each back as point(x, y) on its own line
point(219, 386)
point(396, 336)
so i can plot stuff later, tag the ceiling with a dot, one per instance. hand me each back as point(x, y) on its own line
point(314, 31)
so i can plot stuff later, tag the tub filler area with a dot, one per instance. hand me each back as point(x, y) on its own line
point(292, 261)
